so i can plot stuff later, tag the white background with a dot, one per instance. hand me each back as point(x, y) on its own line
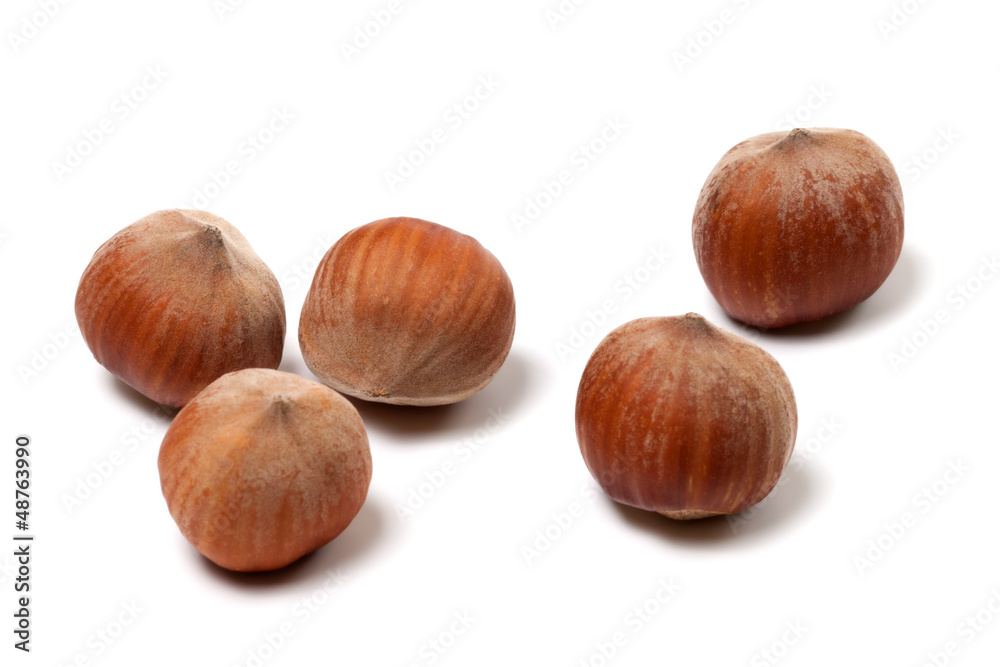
point(927, 90)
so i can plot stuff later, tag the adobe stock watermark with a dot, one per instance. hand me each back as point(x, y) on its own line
point(559, 523)
point(710, 31)
point(223, 8)
point(418, 495)
point(561, 12)
point(595, 320)
point(32, 24)
point(921, 162)
point(108, 634)
point(97, 475)
point(453, 119)
point(300, 273)
point(899, 15)
point(802, 115)
point(270, 642)
point(930, 327)
point(802, 455)
point(248, 150)
point(793, 633)
point(922, 502)
point(121, 109)
point(966, 631)
point(437, 646)
point(39, 359)
point(635, 620)
point(365, 33)
point(580, 161)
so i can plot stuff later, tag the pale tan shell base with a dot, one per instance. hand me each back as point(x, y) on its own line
point(419, 401)
point(686, 515)
point(426, 401)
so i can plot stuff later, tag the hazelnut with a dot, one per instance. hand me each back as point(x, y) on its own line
point(409, 312)
point(677, 416)
point(264, 467)
point(177, 299)
point(795, 226)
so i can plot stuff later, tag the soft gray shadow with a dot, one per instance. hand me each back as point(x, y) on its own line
point(786, 504)
point(293, 363)
point(899, 291)
point(367, 529)
point(516, 380)
point(138, 400)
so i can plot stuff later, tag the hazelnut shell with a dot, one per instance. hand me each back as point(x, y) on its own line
point(176, 300)
point(677, 416)
point(795, 226)
point(407, 311)
point(264, 467)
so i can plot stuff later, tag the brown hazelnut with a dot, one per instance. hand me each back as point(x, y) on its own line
point(677, 416)
point(177, 299)
point(406, 311)
point(795, 226)
point(264, 467)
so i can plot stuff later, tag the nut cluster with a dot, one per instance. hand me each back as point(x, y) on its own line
point(262, 467)
point(673, 414)
point(676, 416)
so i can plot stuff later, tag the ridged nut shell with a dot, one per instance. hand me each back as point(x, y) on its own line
point(406, 311)
point(794, 226)
point(264, 467)
point(176, 300)
point(677, 416)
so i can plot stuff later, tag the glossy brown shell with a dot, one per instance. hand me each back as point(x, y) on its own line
point(407, 311)
point(795, 226)
point(264, 467)
point(677, 416)
point(175, 301)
